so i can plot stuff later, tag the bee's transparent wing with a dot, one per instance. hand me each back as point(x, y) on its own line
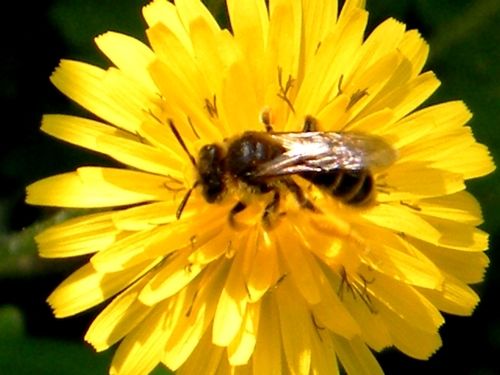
point(371, 151)
point(327, 151)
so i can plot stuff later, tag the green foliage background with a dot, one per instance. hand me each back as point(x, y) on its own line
point(465, 53)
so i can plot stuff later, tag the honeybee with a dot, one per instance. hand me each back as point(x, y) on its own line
point(339, 163)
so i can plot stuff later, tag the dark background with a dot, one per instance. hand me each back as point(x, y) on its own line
point(465, 54)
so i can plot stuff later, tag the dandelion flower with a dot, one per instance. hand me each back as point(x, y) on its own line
point(209, 273)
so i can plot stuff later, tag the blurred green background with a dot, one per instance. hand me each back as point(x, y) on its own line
point(465, 53)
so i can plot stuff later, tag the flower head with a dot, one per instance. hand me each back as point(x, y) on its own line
point(284, 207)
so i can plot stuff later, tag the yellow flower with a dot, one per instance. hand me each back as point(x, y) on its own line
point(282, 274)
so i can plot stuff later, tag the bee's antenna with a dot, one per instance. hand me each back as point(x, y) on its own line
point(178, 213)
point(183, 203)
point(181, 141)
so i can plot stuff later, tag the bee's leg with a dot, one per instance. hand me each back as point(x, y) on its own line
point(270, 209)
point(183, 204)
point(265, 118)
point(310, 124)
point(238, 207)
point(299, 194)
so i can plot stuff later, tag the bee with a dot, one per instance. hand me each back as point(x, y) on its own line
point(339, 163)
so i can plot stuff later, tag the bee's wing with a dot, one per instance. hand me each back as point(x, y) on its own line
point(371, 151)
point(325, 152)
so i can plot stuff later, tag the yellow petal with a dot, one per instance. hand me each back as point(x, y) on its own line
point(207, 63)
point(406, 97)
point(439, 118)
point(241, 348)
point(415, 49)
point(237, 115)
point(382, 41)
point(213, 249)
point(318, 18)
point(191, 233)
point(324, 358)
point(206, 359)
point(406, 303)
point(86, 288)
point(210, 60)
point(190, 10)
point(408, 338)
point(459, 236)
point(372, 123)
point(185, 98)
point(172, 53)
point(332, 117)
point(461, 207)
point(232, 303)
point(192, 327)
point(141, 350)
point(79, 236)
point(409, 181)
point(296, 328)
point(267, 355)
point(120, 317)
point(143, 157)
point(171, 277)
point(98, 187)
point(372, 328)
point(402, 220)
point(355, 357)
point(395, 263)
point(455, 297)
point(300, 268)
point(472, 162)
point(250, 26)
point(127, 251)
point(144, 217)
point(163, 11)
point(128, 54)
point(283, 53)
point(108, 140)
point(161, 136)
point(99, 91)
point(367, 85)
point(351, 4)
point(331, 311)
point(455, 139)
point(80, 131)
point(464, 265)
point(336, 51)
point(264, 271)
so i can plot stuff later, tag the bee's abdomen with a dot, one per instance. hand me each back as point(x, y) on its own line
point(354, 187)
